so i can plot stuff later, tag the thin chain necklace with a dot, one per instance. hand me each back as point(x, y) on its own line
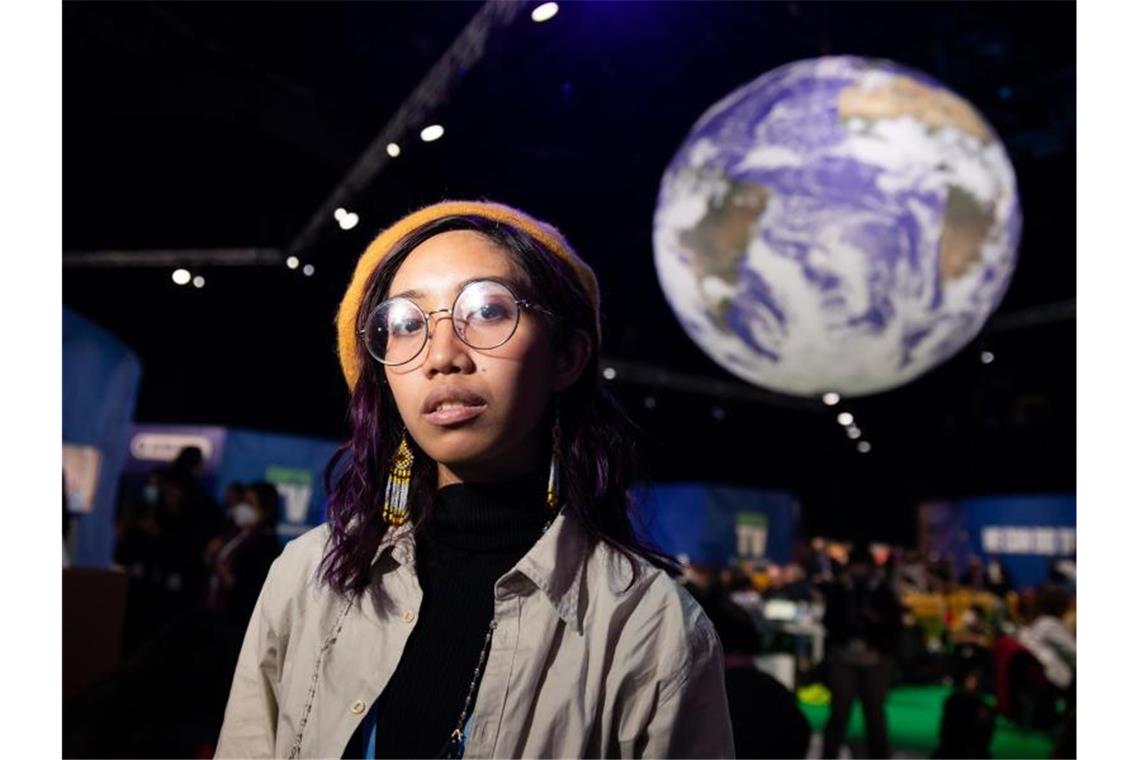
point(457, 743)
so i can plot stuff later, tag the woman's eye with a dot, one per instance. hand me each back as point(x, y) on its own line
point(405, 327)
point(488, 312)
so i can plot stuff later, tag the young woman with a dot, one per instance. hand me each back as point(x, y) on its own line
point(478, 589)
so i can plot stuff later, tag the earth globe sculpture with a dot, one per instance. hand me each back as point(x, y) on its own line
point(837, 225)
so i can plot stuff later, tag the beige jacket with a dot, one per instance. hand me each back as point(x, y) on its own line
point(576, 668)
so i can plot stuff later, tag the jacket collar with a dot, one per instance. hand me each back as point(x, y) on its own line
point(553, 564)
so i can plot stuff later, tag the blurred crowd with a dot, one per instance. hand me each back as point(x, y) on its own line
point(841, 624)
point(183, 551)
point(844, 623)
point(195, 568)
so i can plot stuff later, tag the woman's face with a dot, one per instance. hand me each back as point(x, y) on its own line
point(505, 389)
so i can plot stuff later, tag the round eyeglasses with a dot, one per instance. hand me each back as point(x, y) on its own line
point(484, 316)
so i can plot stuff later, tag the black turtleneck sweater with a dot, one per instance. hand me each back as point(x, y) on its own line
point(474, 533)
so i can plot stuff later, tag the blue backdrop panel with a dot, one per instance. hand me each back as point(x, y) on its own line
point(713, 524)
point(1025, 532)
point(100, 386)
point(294, 464)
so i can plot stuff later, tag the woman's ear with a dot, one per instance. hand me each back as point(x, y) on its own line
point(569, 363)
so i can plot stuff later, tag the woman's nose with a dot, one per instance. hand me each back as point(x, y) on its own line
point(446, 352)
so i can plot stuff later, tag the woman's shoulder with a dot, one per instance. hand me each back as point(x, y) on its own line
point(294, 573)
point(306, 550)
point(651, 604)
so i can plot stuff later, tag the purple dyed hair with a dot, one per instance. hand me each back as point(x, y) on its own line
point(599, 451)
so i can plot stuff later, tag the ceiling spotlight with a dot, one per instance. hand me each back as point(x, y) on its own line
point(393, 150)
point(308, 270)
point(292, 262)
point(432, 133)
point(831, 399)
point(609, 373)
point(544, 12)
point(181, 276)
point(348, 221)
point(199, 281)
point(863, 447)
point(987, 357)
point(846, 418)
point(339, 214)
point(854, 432)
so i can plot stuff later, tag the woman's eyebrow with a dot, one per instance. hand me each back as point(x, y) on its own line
point(413, 294)
point(416, 294)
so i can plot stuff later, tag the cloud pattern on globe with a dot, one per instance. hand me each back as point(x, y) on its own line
point(838, 224)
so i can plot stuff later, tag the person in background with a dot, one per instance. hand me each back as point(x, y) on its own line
point(139, 552)
point(973, 577)
point(232, 496)
point(819, 566)
point(1025, 612)
point(1052, 643)
point(863, 622)
point(239, 567)
point(967, 726)
point(188, 518)
point(766, 719)
point(997, 577)
point(796, 587)
point(916, 663)
point(187, 657)
point(972, 654)
point(913, 576)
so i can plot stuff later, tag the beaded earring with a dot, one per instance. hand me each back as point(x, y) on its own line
point(399, 477)
point(554, 482)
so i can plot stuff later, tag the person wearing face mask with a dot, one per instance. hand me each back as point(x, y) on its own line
point(232, 495)
point(239, 566)
point(478, 589)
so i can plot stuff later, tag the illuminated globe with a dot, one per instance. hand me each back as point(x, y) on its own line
point(838, 224)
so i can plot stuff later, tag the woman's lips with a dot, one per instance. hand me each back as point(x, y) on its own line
point(455, 414)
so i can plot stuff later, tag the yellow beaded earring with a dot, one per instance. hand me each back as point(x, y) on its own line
point(399, 477)
point(553, 483)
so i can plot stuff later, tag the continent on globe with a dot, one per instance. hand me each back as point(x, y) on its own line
point(719, 241)
point(964, 229)
point(838, 224)
point(904, 96)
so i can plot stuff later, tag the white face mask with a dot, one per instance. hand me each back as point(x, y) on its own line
point(244, 515)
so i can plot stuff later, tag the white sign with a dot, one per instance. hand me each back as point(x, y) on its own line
point(296, 498)
point(751, 540)
point(164, 447)
point(1051, 541)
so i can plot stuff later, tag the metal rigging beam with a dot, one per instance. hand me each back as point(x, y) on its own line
point(412, 114)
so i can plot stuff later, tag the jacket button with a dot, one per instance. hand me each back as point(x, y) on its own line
point(357, 707)
point(408, 616)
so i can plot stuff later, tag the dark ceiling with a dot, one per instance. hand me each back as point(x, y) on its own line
point(226, 125)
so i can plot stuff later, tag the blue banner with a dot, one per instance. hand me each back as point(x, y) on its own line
point(100, 386)
point(715, 525)
point(1025, 533)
